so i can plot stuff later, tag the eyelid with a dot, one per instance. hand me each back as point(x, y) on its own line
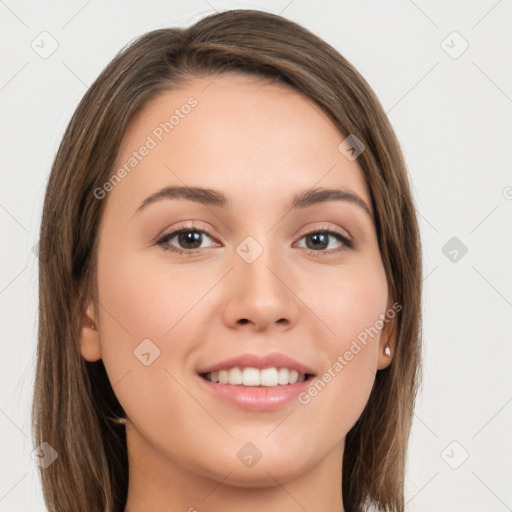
point(186, 225)
point(346, 239)
point(326, 227)
point(162, 238)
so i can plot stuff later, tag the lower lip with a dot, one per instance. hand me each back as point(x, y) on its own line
point(256, 398)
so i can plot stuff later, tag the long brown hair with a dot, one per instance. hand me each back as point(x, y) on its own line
point(73, 398)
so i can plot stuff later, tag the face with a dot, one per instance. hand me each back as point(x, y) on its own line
point(252, 283)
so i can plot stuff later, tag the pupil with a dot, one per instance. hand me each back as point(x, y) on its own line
point(318, 239)
point(190, 237)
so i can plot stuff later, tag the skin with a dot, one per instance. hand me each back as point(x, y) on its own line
point(259, 144)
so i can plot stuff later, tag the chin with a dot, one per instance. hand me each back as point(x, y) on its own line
point(281, 465)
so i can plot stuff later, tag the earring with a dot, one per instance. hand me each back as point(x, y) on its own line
point(93, 327)
point(387, 351)
point(119, 421)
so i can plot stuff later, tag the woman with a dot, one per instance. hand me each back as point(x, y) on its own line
point(230, 281)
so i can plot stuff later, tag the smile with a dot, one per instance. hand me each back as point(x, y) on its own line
point(256, 382)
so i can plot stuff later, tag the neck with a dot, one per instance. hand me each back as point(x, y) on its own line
point(158, 483)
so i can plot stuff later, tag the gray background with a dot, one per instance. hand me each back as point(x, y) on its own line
point(452, 113)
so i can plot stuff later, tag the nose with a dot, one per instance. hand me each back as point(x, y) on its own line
point(260, 294)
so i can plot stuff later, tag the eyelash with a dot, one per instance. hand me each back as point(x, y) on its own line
point(163, 241)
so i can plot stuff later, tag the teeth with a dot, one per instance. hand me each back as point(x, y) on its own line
point(268, 377)
point(223, 377)
point(250, 377)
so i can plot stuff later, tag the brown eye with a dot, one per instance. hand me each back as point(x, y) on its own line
point(319, 241)
point(184, 240)
point(189, 239)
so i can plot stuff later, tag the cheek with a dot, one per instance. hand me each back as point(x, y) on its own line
point(350, 301)
point(143, 299)
point(351, 305)
point(141, 312)
point(146, 333)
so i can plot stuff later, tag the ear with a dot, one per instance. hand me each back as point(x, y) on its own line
point(89, 340)
point(388, 335)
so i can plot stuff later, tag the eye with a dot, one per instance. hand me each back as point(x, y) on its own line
point(322, 239)
point(188, 240)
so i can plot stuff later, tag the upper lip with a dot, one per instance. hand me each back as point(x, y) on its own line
point(258, 361)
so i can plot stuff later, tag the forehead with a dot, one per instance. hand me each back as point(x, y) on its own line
point(250, 138)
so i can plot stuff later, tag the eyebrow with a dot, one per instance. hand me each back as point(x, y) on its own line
point(211, 197)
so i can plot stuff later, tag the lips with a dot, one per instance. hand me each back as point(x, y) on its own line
point(256, 383)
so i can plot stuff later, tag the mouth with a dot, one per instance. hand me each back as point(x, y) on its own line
point(254, 382)
point(254, 377)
